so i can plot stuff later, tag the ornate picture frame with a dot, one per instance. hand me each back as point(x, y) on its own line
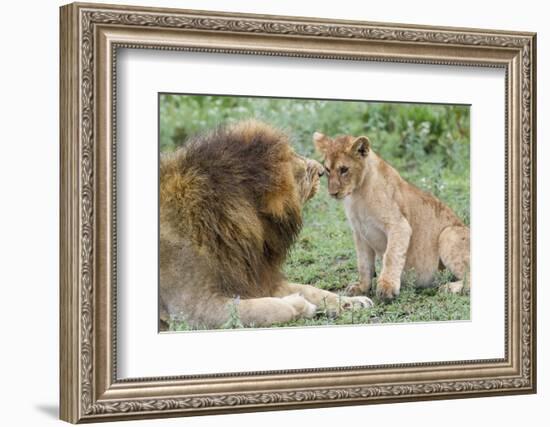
point(90, 37)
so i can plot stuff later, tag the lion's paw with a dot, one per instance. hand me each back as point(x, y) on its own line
point(301, 305)
point(349, 303)
point(355, 289)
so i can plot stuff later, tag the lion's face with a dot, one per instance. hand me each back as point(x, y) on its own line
point(344, 161)
point(307, 173)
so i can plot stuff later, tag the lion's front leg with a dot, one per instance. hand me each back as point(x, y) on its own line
point(399, 236)
point(261, 312)
point(327, 300)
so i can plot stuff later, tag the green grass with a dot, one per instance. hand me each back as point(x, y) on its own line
point(428, 144)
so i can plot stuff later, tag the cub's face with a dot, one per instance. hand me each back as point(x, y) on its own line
point(344, 161)
point(307, 173)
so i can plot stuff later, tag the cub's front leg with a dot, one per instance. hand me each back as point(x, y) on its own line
point(399, 236)
point(365, 265)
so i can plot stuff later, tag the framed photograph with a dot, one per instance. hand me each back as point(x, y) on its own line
point(266, 212)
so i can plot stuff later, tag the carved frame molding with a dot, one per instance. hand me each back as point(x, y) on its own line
point(90, 37)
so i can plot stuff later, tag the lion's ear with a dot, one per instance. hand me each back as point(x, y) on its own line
point(321, 142)
point(361, 146)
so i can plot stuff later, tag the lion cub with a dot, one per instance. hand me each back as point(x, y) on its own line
point(408, 228)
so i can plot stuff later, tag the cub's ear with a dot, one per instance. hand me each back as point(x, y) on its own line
point(321, 142)
point(361, 146)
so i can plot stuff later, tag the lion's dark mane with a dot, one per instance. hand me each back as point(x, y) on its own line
point(214, 191)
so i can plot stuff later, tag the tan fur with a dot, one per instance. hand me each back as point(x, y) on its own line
point(408, 228)
point(230, 209)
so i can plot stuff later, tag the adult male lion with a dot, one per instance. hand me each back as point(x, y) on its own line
point(230, 209)
point(392, 219)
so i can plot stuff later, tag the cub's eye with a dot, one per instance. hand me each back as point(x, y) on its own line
point(327, 170)
point(343, 170)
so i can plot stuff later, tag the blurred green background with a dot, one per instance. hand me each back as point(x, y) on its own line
point(428, 144)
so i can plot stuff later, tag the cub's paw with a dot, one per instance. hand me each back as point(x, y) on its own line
point(355, 289)
point(349, 303)
point(453, 287)
point(301, 305)
point(386, 290)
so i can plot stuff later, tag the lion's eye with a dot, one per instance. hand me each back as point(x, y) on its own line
point(343, 170)
point(327, 170)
